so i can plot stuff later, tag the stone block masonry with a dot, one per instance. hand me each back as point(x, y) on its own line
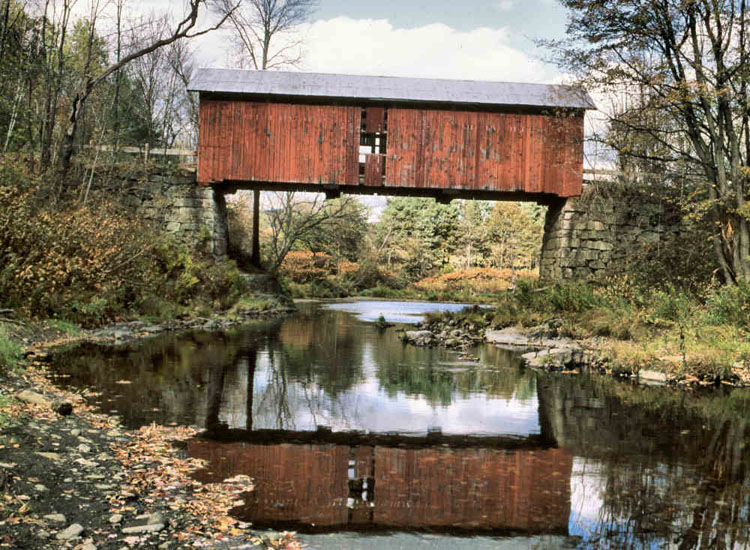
point(587, 236)
point(174, 202)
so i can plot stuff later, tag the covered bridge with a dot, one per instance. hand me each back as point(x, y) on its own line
point(392, 136)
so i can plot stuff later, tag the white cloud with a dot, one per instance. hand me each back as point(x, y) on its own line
point(505, 5)
point(376, 47)
point(370, 46)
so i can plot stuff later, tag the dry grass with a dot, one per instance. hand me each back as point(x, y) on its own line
point(479, 280)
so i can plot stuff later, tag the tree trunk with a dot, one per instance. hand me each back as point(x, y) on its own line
point(255, 258)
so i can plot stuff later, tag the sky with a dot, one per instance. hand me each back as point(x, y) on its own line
point(467, 39)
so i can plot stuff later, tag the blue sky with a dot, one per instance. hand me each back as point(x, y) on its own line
point(469, 39)
point(528, 19)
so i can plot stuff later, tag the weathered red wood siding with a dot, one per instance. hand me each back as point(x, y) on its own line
point(472, 488)
point(247, 141)
point(437, 149)
point(485, 151)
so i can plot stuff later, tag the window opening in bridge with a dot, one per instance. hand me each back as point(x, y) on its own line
point(361, 482)
point(372, 146)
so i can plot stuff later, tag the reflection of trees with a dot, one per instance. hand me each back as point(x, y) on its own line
point(671, 466)
point(435, 375)
point(326, 351)
point(311, 362)
point(168, 373)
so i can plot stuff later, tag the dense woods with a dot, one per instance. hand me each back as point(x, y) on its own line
point(74, 78)
point(333, 248)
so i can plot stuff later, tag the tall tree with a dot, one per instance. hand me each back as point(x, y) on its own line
point(297, 218)
point(185, 28)
point(264, 30)
point(258, 27)
point(682, 66)
point(420, 234)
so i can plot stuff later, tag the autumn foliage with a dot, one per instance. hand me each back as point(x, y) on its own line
point(94, 263)
point(302, 266)
point(478, 280)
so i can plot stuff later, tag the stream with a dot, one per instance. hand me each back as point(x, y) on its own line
point(358, 441)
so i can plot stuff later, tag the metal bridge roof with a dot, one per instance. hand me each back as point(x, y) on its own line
point(388, 88)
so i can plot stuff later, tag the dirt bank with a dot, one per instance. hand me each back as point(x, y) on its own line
point(74, 478)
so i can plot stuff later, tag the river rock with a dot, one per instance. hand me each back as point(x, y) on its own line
point(553, 358)
point(55, 518)
point(418, 337)
point(70, 533)
point(51, 456)
point(651, 377)
point(143, 528)
point(508, 337)
point(62, 407)
point(115, 518)
point(518, 339)
point(155, 518)
point(33, 397)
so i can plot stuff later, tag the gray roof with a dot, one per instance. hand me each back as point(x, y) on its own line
point(388, 88)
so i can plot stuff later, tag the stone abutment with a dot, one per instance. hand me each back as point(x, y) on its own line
point(602, 230)
point(173, 201)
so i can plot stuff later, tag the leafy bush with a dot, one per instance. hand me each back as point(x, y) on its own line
point(476, 280)
point(10, 350)
point(730, 305)
point(92, 264)
point(304, 266)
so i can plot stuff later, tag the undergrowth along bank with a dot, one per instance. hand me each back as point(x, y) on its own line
point(703, 336)
point(90, 262)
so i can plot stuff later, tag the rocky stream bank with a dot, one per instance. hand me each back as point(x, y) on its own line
point(544, 348)
point(71, 477)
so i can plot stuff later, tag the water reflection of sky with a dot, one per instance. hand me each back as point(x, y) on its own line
point(394, 312)
point(368, 407)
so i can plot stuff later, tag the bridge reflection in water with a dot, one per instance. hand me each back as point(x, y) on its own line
point(329, 486)
point(357, 476)
point(649, 466)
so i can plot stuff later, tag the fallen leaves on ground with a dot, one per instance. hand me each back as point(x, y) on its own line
point(156, 471)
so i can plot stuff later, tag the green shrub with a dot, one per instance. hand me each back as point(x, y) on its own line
point(10, 350)
point(730, 305)
point(669, 305)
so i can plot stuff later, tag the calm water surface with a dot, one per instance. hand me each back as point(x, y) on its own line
point(358, 441)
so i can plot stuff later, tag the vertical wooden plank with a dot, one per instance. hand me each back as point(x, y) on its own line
point(535, 183)
point(277, 140)
point(373, 170)
point(520, 144)
point(223, 145)
point(374, 120)
point(405, 142)
point(214, 141)
point(469, 139)
point(481, 180)
point(352, 145)
point(204, 149)
point(256, 165)
point(265, 142)
point(236, 145)
point(430, 137)
point(573, 176)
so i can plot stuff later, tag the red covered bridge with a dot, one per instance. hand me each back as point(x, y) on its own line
point(391, 136)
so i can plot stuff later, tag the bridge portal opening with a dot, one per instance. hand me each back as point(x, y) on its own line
point(350, 245)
